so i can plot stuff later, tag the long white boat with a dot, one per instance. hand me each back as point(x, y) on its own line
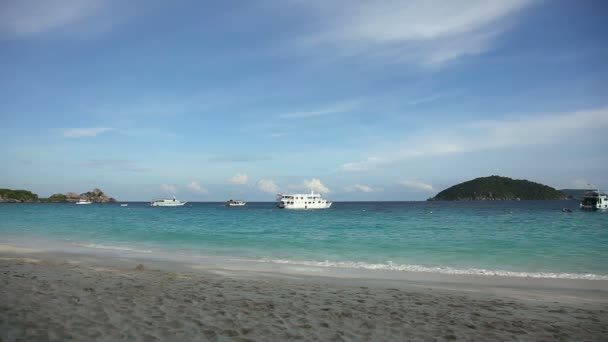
point(302, 201)
point(83, 201)
point(594, 200)
point(167, 202)
point(235, 203)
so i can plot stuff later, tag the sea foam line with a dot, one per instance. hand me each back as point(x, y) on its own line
point(114, 248)
point(390, 266)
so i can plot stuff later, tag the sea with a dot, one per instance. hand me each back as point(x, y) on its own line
point(534, 239)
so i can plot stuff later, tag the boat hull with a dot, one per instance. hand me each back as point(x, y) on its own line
point(305, 206)
point(593, 207)
point(167, 204)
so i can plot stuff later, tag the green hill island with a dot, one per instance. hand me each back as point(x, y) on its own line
point(26, 196)
point(497, 188)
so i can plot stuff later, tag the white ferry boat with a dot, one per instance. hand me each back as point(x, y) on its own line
point(302, 201)
point(167, 202)
point(235, 203)
point(594, 200)
point(83, 201)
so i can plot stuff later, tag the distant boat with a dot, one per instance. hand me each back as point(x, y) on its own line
point(167, 202)
point(594, 200)
point(124, 205)
point(83, 201)
point(302, 201)
point(235, 203)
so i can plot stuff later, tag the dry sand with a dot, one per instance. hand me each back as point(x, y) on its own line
point(63, 298)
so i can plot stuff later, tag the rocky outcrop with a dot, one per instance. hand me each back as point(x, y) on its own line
point(96, 196)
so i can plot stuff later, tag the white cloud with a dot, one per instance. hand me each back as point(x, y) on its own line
point(362, 188)
point(488, 135)
point(420, 31)
point(85, 131)
point(196, 187)
point(239, 178)
point(168, 189)
point(30, 17)
point(268, 186)
point(314, 184)
point(417, 185)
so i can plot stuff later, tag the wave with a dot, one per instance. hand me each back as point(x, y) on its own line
point(390, 266)
point(113, 248)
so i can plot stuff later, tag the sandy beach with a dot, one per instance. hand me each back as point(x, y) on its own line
point(62, 297)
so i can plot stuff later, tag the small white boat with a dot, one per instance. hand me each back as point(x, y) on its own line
point(302, 201)
point(594, 200)
point(124, 205)
point(167, 202)
point(235, 203)
point(83, 201)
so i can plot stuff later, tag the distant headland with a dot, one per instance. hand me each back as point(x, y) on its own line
point(25, 196)
point(497, 188)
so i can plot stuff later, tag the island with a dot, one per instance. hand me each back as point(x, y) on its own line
point(25, 196)
point(497, 188)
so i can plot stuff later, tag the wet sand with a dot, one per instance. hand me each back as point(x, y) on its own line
point(76, 297)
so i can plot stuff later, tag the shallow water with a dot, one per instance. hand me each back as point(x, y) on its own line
point(526, 238)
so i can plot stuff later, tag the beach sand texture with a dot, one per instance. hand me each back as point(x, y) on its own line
point(59, 300)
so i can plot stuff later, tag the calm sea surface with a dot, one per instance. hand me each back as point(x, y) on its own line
point(527, 238)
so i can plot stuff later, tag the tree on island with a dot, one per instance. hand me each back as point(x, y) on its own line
point(8, 195)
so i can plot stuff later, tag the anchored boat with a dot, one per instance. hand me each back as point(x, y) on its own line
point(235, 203)
point(302, 201)
point(594, 200)
point(167, 202)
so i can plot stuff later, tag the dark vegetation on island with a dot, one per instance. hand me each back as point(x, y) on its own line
point(497, 188)
point(25, 196)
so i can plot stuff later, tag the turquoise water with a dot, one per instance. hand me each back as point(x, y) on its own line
point(527, 238)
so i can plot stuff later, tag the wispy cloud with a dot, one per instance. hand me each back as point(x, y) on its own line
point(362, 165)
point(329, 110)
point(240, 158)
point(488, 135)
point(419, 31)
point(194, 186)
point(429, 98)
point(362, 188)
point(168, 189)
point(85, 131)
point(118, 165)
point(30, 17)
point(268, 186)
point(417, 185)
point(239, 178)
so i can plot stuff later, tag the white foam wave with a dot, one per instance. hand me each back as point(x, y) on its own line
point(114, 248)
point(390, 266)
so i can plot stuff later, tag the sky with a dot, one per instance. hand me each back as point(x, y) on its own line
point(358, 100)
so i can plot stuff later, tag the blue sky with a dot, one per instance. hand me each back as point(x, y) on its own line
point(362, 100)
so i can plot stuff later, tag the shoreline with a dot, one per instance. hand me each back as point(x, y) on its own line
point(327, 267)
point(82, 297)
point(535, 289)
